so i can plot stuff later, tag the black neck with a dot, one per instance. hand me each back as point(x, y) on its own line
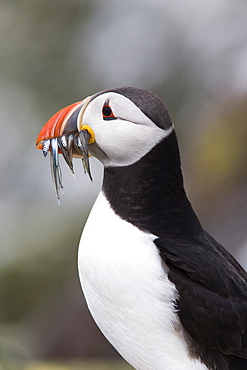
point(150, 193)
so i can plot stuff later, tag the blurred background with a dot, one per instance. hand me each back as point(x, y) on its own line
point(194, 56)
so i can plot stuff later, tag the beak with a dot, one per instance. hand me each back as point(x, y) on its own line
point(65, 133)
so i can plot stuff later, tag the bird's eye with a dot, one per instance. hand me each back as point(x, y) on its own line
point(107, 112)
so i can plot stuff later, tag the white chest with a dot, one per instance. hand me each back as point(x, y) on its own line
point(128, 292)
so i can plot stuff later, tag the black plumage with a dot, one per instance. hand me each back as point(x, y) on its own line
point(212, 285)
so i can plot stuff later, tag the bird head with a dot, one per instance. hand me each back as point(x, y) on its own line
point(117, 126)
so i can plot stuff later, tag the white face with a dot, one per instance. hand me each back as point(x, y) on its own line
point(127, 138)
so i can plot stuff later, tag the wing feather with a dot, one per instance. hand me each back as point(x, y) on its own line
point(212, 288)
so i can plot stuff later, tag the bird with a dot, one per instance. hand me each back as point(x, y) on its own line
point(161, 289)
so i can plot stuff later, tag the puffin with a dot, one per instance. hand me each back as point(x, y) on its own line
point(161, 289)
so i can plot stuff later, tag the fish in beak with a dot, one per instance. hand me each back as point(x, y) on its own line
point(65, 133)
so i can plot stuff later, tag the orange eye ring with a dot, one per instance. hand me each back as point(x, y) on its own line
point(107, 112)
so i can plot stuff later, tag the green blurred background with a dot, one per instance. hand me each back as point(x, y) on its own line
point(194, 56)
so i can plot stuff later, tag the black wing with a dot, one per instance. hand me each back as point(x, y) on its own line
point(212, 286)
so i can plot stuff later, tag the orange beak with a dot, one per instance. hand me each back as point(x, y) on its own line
point(56, 124)
point(65, 133)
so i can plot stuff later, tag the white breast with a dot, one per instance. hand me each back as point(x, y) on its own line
point(128, 292)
